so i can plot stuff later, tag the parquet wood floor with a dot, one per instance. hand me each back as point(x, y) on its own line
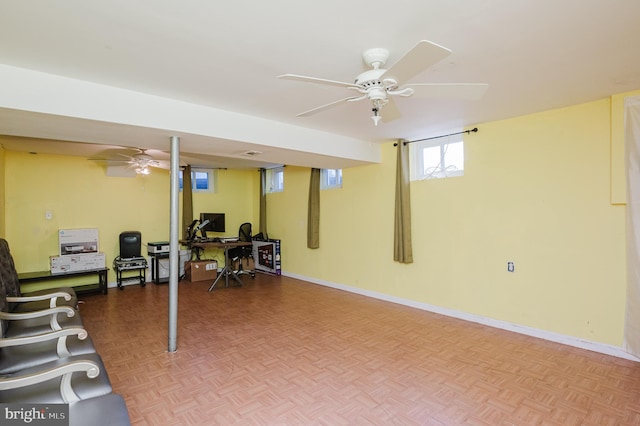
point(280, 351)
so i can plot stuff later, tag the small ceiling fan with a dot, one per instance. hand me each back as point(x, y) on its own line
point(380, 85)
point(142, 162)
point(139, 161)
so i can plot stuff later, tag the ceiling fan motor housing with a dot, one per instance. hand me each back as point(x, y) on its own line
point(143, 157)
point(370, 78)
point(377, 93)
point(373, 87)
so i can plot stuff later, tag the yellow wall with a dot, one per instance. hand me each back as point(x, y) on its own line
point(80, 195)
point(536, 191)
point(2, 185)
point(237, 197)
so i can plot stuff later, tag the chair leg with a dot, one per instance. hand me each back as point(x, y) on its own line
point(241, 270)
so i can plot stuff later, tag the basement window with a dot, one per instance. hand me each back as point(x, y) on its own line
point(275, 179)
point(330, 178)
point(202, 180)
point(437, 159)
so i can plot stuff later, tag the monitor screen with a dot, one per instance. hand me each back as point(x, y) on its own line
point(216, 222)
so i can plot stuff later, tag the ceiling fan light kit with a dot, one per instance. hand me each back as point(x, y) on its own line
point(143, 170)
point(142, 162)
point(379, 84)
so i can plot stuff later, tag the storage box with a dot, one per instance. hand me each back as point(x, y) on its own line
point(202, 270)
point(162, 272)
point(267, 256)
point(77, 241)
point(77, 262)
point(247, 264)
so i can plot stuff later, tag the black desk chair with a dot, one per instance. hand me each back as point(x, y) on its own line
point(238, 253)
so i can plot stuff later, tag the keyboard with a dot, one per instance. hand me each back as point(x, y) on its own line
point(207, 240)
point(229, 240)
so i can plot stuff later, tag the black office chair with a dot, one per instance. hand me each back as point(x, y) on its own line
point(243, 252)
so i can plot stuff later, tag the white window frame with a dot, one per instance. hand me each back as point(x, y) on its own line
point(275, 179)
point(442, 170)
point(326, 179)
point(212, 177)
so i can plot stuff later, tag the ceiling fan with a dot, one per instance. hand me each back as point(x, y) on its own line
point(139, 161)
point(142, 161)
point(379, 85)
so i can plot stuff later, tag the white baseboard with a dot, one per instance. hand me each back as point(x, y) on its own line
point(529, 331)
point(114, 284)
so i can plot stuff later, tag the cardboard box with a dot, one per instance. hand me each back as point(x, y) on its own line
point(247, 264)
point(202, 270)
point(77, 262)
point(77, 241)
point(162, 271)
point(267, 256)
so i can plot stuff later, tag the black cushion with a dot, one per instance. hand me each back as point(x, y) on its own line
point(8, 270)
point(30, 327)
point(16, 358)
point(107, 410)
point(48, 392)
point(35, 306)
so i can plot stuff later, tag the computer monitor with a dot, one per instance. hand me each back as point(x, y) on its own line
point(216, 222)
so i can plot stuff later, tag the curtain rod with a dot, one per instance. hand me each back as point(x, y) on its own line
point(203, 167)
point(272, 167)
point(475, 129)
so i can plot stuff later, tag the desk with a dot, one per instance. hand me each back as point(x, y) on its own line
point(27, 277)
point(227, 271)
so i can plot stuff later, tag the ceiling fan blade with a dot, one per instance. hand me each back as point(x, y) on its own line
point(120, 154)
point(422, 56)
point(111, 160)
point(316, 80)
point(462, 91)
point(327, 106)
point(390, 111)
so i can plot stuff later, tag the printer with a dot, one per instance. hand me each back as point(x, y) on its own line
point(159, 247)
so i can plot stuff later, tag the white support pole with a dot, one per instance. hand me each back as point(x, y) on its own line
point(174, 246)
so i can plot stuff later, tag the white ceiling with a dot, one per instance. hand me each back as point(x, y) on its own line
point(224, 57)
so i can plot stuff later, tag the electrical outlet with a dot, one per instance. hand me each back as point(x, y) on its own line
point(511, 267)
point(48, 215)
